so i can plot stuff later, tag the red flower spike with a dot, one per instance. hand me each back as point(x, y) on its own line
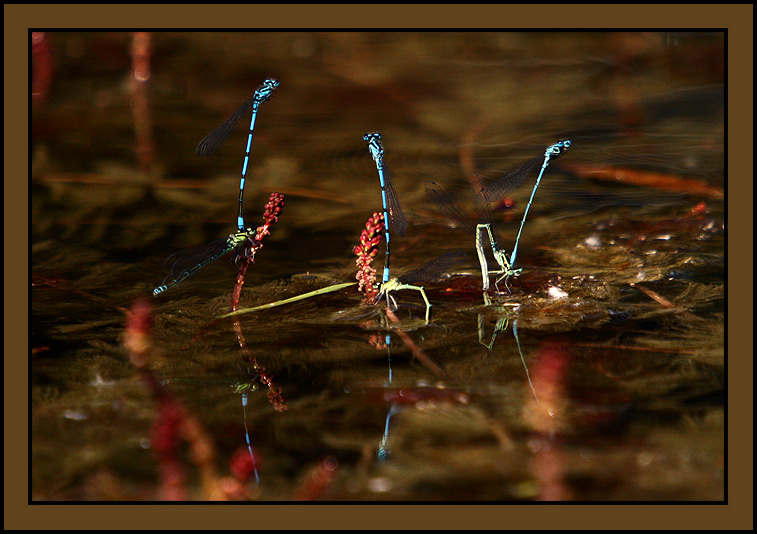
point(271, 215)
point(370, 238)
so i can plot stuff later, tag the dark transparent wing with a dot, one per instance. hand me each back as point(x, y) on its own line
point(397, 220)
point(502, 186)
point(435, 268)
point(217, 137)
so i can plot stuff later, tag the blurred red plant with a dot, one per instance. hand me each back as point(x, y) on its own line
point(173, 423)
point(317, 481)
point(42, 68)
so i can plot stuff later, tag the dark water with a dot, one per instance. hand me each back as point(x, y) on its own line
point(613, 388)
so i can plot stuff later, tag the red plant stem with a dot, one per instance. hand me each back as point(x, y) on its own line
point(271, 213)
point(467, 156)
point(243, 263)
point(657, 180)
point(140, 51)
point(42, 68)
point(270, 216)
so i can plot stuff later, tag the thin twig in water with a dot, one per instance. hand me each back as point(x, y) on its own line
point(417, 352)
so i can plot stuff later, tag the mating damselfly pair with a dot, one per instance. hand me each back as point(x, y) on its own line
point(243, 242)
point(488, 194)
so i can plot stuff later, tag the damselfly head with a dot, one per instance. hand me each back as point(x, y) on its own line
point(375, 147)
point(265, 91)
point(558, 148)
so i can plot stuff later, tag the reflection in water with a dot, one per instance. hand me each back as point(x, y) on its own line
point(508, 310)
point(383, 449)
point(546, 419)
point(244, 393)
point(426, 272)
